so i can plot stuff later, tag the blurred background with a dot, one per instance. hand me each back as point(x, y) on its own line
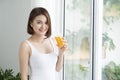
point(91, 28)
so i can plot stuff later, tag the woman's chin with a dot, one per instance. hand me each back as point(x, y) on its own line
point(41, 34)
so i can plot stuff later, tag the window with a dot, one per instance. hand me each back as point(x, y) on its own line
point(111, 40)
point(78, 35)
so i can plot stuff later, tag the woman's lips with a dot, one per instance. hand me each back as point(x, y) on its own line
point(42, 30)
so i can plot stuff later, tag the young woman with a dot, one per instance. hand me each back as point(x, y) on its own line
point(38, 51)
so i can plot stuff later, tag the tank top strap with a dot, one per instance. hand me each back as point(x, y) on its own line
point(29, 43)
point(55, 49)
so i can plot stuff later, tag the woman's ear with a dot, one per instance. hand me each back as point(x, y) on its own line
point(31, 24)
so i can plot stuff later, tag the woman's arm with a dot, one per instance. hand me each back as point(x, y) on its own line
point(59, 64)
point(24, 53)
point(62, 50)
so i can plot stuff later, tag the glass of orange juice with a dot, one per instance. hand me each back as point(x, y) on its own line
point(59, 41)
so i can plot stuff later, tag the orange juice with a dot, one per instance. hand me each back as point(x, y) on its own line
point(59, 41)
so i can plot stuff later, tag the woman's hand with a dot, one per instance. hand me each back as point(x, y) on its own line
point(63, 48)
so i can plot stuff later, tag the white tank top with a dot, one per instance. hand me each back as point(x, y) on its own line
point(42, 65)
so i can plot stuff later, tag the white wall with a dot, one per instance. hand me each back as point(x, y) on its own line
point(13, 23)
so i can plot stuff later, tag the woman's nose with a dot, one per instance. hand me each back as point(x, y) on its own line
point(43, 25)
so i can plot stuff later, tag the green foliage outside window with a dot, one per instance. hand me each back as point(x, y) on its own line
point(111, 71)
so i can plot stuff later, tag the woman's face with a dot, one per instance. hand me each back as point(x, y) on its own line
point(39, 25)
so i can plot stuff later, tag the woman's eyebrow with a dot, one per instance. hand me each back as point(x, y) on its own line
point(41, 21)
point(38, 20)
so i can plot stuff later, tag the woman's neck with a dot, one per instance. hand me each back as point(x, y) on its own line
point(37, 38)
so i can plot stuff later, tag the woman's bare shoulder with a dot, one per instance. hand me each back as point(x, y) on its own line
point(24, 45)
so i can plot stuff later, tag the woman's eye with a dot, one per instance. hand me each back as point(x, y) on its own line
point(38, 22)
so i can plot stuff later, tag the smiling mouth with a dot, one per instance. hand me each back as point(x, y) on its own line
point(41, 30)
